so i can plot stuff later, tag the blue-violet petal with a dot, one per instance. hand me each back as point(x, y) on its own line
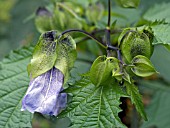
point(43, 94)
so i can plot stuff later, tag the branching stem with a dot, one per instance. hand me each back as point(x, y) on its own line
point(119, 55)
point(86, 33)
point(108, 33)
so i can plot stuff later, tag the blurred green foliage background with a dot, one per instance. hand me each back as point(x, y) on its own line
point(17, 26)
point(17, 29)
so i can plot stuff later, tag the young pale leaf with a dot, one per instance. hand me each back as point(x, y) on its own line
point(101, 70)
point(128, 3)
point(136, 98)
point(116, 72)
point(13, 85)
point(44, 55)
point(117, 75)
point(94, 107)
point(121, 74)
point(126, 76)
point(143, 66)
point(66, 54)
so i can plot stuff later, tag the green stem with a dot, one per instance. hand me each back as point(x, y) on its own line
point(85, 33)
point(107, 31)
point(101, 31)
point(108, 25)
point(109, 13)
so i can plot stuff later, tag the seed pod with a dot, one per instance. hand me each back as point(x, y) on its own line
point(134, 43)
point(61, 16)
point(43, 20)
point(101, 70)
point(142, 66)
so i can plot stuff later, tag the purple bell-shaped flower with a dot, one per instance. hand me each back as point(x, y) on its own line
point(44, 94)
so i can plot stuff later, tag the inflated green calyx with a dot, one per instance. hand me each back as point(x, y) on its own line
point(103, 69)
point(133, 43)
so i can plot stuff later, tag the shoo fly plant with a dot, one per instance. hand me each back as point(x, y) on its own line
point(85, 66)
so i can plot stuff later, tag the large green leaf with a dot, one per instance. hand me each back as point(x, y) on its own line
point(161, 33)
point(158, 12)
point(13, 84)
point(158, 109)
point(161, 61)
point(136, 98)
point(124, 16)
point(94, 107)
point(149, 3)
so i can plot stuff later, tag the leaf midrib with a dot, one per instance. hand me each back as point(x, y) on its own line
point(100, 102)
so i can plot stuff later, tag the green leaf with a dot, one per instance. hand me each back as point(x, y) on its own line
point(142, 66)
point(44, 55)
point(136, 98)
point(158, 12)
point(161, 33)
point(158, 108)
point(125, 17)
point(128, 3)
point(66, 54)
point(102, 68)
point(161, 61)
point(94, 107)
point(13, 85)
